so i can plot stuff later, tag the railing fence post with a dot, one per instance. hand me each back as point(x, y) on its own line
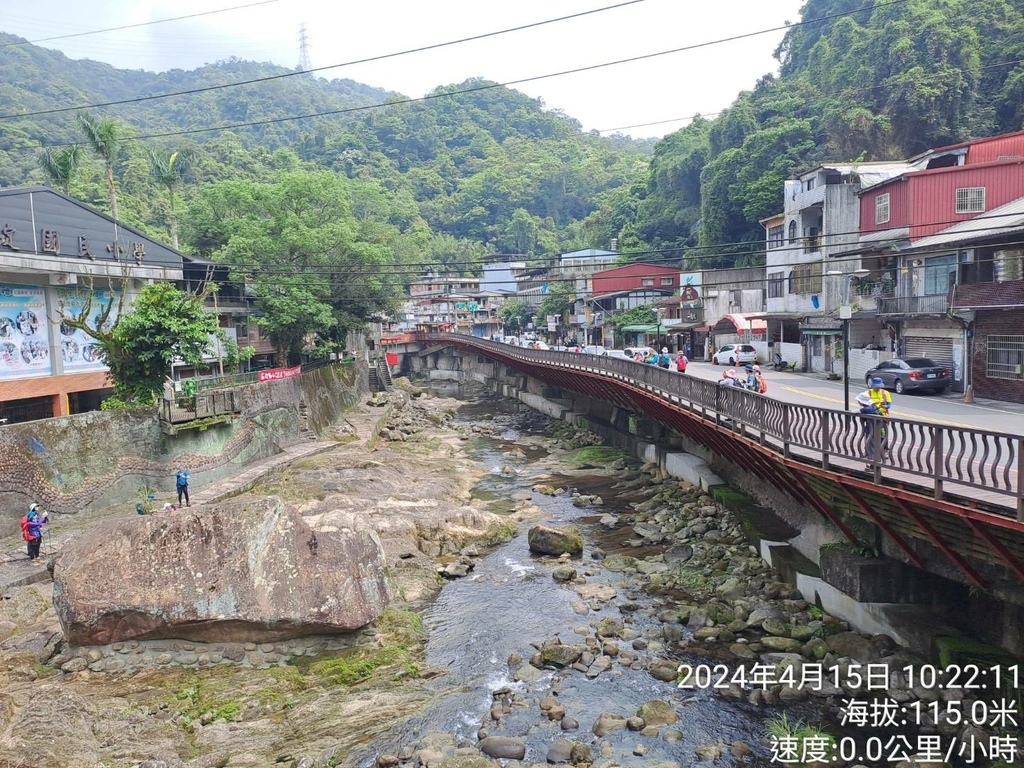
point(786, 411)
point(938, 451)
point(826, 440)
point(1020, 485)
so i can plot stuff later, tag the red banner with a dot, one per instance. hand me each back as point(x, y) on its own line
point(273, 374)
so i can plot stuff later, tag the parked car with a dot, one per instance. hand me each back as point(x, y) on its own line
point(538, 345)
point(731, 354)
point(595, 349)
point(918, 374)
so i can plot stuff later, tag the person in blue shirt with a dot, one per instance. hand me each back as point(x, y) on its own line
point(33, 525)
point(181, 483)
point(750, 382)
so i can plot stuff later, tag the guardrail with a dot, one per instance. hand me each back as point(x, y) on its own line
point(944, 456)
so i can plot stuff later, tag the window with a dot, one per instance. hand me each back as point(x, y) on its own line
point(1005, 358)
point(666, 281)
point(792, 231)
point(939, 274)
point(775, 237)
point(776, 285)
point(807, 278)
point(242, 327)
point(882, 209)
point(808, 185)
point(970, 200)
point(648, 281)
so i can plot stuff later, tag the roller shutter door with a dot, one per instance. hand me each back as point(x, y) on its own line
point(939, 351)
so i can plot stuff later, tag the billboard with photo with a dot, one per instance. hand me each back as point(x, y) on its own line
point(24, 348)
point(79, 350)
point(689, 290)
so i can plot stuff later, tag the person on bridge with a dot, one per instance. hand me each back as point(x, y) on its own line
point(681, 362)
point(880, 396)
point(729, 379)
point(868, 406)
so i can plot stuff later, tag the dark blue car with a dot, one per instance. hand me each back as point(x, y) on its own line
point(916, 374)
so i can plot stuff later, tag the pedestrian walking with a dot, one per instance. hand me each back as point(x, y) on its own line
point(873, 429)
point(181, 484)
point(32, 529)
point(681, 362)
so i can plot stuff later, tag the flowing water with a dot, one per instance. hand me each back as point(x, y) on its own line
point(510, 602)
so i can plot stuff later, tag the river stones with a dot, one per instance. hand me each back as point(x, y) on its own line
point(607, 722)
point(560, 751)
point(503, 747)
point(554, 652)
point(657, 712)
point(549, 540)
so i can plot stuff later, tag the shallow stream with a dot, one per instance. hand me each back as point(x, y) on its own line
point(510, 603)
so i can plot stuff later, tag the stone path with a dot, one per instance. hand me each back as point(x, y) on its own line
point(16, 570)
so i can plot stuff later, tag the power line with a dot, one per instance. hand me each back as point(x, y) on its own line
point(133, 26)
point(306, 71)
point(474, 89)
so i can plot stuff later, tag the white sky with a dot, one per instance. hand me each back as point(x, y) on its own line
point(672, 87)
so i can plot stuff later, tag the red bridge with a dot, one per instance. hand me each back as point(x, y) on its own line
point(943, 496)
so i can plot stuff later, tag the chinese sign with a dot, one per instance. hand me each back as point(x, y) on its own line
point(78, 349)
point(24, 350)
point(275, 374)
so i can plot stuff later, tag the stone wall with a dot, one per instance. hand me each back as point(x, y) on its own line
point(96, 459)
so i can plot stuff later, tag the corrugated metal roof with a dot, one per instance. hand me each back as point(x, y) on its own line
point(1005, 219)
point(881, 235)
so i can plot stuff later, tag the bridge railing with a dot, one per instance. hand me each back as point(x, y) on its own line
point(947, 457)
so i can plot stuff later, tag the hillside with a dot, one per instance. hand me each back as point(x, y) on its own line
point(484, 165)
point(883, 83)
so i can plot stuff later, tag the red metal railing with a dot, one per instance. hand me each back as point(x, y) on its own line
point(945, 458)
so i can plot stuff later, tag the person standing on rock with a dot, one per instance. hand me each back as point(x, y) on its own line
point(32, 529)
point(181, 483)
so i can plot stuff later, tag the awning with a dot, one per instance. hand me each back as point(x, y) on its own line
point(641, 328)
point(821, 331)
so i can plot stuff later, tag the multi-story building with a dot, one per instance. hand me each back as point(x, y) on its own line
point(933, 229)
point(56, 253)
point(808, 278)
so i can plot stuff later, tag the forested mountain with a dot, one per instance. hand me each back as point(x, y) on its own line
point(883, 83)
point(475, 168)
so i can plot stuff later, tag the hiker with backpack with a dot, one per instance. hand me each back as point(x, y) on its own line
point(32, 529)
point(761, 386)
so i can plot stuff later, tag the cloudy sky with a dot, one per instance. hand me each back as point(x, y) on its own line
point(665, 89)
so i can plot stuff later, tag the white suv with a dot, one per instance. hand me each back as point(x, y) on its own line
point(731, 354)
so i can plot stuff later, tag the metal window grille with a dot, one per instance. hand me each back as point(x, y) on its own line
point(882, 209)
point(970, 200)
point(1005, 358)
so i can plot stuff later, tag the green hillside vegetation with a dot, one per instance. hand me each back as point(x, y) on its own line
point(880, 84)
point(477, 169)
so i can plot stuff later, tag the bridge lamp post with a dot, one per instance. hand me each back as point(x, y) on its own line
point(845, 313)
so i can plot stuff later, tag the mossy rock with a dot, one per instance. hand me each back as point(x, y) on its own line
point(598, 455)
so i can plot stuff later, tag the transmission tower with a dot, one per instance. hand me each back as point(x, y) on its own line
point(304, 63)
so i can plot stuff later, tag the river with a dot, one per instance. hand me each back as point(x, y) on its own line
point(510, 603)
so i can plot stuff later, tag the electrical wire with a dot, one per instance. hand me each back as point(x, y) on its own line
point(473, 89)
point(284, 75)
point(133, 26)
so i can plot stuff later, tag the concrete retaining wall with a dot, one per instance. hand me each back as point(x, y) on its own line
point(100, 458)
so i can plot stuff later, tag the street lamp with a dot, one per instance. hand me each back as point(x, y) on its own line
point(845, 313)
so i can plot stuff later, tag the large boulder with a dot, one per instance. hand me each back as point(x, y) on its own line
point(237, 572)
point(548, 540)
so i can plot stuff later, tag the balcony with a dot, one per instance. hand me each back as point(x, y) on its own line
point(914, 305)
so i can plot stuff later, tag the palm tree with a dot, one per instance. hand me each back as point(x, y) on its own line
point(61, 165)
point(169, 171)
point(103, 136)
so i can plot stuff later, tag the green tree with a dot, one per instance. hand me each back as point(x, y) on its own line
point(163, 324)
point(559, 299)
point(61, 164)
point(169, 171)
point(104, 137)
point(515, 314)
point(641, 315)
point(315, 247)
